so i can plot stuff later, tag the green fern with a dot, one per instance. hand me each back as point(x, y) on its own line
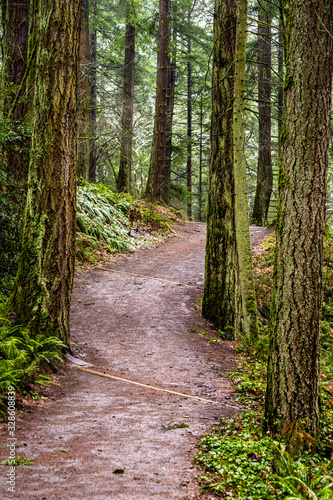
point(299, 482)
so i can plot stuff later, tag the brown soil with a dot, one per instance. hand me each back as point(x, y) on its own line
point(130, 318)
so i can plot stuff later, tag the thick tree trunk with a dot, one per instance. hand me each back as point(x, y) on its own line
point(222, 301)
point(15, 22)
point(241, 204)
point(155, 177)
point(169, 118)
point(292, 381)
point(189, 130)
point(93, 99)
point(125, 165)
point(83, 154)
point(42, 290)
point(265, 173)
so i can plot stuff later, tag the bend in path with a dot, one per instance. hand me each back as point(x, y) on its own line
point(132, 319)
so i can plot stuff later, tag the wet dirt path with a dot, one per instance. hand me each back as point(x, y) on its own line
point(130, 318)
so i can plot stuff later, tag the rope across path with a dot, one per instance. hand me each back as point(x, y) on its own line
point(145, 277)
point(120, 379)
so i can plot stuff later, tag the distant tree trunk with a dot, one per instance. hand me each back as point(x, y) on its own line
point(83, 156)
point(264, 173)
point(280, 87)
point(93, 98)
point(169, 117)
point(189, 128)
point(43, 285)
point(293, 367)
point(15, 22)
point(241, 203)
point(155, 177)
point(200, 164)
point(125, 165)
point(222, 300)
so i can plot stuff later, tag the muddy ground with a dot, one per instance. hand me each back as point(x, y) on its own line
point(100, 438)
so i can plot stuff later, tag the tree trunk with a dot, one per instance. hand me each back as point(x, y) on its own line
point(169, 118)
point(125, 165)
point(241, 205)
point(42, 290)
point(280, 87)
point(155, 177)
point(264, 173)
point(83, 155)
point(189, 129)
point(222, 301)
point(293, 368)
point(93, 99)
point(15, 22)
point(200, 164)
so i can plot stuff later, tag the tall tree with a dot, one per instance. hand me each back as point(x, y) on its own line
point(172, 56)
point(15, 22)
point(264, 172)
point(292, 380)
point(189, 122)
point(222, 301)
point(83, 154)
point(124, 174)
point(43, 285)
point(154, 183)
point(241, 202)
point(93, 94)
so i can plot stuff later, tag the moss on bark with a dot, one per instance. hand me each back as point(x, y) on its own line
point(42, 291)
point(292, 382)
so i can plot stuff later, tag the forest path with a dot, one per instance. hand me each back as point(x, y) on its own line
point(131, 318)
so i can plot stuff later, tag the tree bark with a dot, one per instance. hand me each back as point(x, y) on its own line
point(189, 128)
point(264, 172)
point(83, 155)
point(155, 176)
point(222, 301)
point(125, 165)
point(15, 22)
point(169, 117)
point(293, 368)
point(93, 99)
point(241, 204)
point(43, 285)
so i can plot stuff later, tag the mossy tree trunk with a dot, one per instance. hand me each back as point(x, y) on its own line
point(15, 23)
point(125, 165)
point(172, 56)
point(241, 204)
point(43, 285)
point(83, 154)
point(264, 172)
point(93, 95)
point(189, 126)
point(293, 368)
point(155, 177)
point(222, 301)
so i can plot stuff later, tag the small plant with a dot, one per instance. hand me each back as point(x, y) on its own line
point(182, 425)
point(20, 460)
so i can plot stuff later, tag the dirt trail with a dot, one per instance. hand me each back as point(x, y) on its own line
point(130, 318)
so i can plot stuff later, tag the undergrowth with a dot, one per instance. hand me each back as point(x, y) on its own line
point(239, 459)
point(24, 360)
point(113, 223)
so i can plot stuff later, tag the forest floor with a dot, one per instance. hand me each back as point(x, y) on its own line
point(137, 317)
